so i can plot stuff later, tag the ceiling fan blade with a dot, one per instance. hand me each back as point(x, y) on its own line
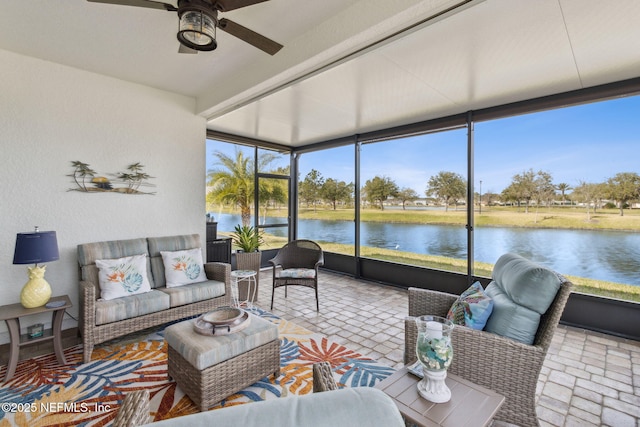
point(139, 3)
point(249, 36)
point(227, 5)
point(184, 49)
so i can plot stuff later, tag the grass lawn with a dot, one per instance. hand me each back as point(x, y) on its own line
point(558, 217)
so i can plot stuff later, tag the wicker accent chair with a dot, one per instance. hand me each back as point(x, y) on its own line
point(134, 410)
point(301, 258)
point(323, 377)
point(501, 364)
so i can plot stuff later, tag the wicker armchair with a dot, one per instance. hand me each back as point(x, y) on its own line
point(501, 364)
point(298, 257)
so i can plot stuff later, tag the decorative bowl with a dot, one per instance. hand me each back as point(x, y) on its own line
point(222, 321)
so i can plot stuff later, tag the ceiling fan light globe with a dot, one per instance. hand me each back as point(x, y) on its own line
point(197, 31)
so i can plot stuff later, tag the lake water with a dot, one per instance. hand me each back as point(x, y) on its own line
point(602, 255)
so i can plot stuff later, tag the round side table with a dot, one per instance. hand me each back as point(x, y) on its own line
point(250, 277)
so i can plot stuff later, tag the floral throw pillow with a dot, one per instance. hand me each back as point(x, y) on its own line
point(123, 276)
point(183, 267)
point(472, 308)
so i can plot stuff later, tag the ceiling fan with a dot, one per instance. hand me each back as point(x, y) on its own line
point(199, 20)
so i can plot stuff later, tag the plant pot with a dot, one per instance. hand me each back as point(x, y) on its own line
point(248, 261)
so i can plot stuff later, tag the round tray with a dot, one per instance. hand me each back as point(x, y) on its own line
point(222, 321)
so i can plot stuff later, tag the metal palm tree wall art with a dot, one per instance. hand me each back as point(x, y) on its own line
point(87, 180)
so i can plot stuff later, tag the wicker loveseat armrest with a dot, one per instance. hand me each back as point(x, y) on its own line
point(87, 316)
point(134, 410)
point(88, 293)
point(221, 272)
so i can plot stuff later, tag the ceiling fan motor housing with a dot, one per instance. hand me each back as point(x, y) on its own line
point(198, 22)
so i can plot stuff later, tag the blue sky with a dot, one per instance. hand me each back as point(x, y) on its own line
point(590, 143)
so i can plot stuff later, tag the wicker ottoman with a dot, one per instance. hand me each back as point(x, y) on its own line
point(208, 369)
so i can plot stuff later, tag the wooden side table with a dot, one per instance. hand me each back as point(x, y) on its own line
point(470, 405)
point(12, 313)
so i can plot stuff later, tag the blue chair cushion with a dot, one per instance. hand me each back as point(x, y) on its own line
point(522, 292)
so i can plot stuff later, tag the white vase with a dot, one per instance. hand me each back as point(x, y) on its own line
point(433, 388)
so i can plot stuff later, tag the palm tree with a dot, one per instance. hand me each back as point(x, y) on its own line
point(233, 181)
point(563, 187)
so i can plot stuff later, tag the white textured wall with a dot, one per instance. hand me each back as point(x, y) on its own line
point(52, 114)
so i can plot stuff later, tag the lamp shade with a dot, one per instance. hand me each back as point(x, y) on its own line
point(36, 247)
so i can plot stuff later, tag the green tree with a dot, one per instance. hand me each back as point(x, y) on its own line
point(232, 181)
point(310, 187)
point(379, 189)
point(273, 192)
point(601, 194)
point(524, 187)
point(624, 187)
point(407, 195)
point(489, 198)
point(563, 187)
point(544, 190)
point(447, 186)
point(334, 191)
point(586, 193)
point(510, 194)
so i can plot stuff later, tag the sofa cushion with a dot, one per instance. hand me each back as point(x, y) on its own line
point(522, 291)
point(183, 267)
point(123, 276)
point(170, 244)
point(203, 352)
point(472, 308)
point(88, 253)
point(360, 406)
point(130, 307)
point(194, 292)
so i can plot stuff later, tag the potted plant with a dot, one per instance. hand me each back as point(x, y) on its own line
point(247, 240)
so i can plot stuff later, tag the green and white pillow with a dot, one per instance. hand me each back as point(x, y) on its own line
point(183, 267)
point(122, 277)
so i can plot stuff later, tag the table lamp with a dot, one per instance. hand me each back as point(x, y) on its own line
point(33, 248)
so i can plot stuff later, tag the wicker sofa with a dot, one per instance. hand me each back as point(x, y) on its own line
point(136, 312)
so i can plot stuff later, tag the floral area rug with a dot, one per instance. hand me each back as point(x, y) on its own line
point(42, 393)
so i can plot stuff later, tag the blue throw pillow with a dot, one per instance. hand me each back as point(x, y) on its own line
point(472, 308)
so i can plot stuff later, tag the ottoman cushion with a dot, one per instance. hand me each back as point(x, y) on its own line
point(202, 351)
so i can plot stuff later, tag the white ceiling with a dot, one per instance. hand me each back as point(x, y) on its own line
point(325, 83)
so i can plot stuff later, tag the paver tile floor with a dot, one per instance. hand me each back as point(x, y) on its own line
point(588, 378)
